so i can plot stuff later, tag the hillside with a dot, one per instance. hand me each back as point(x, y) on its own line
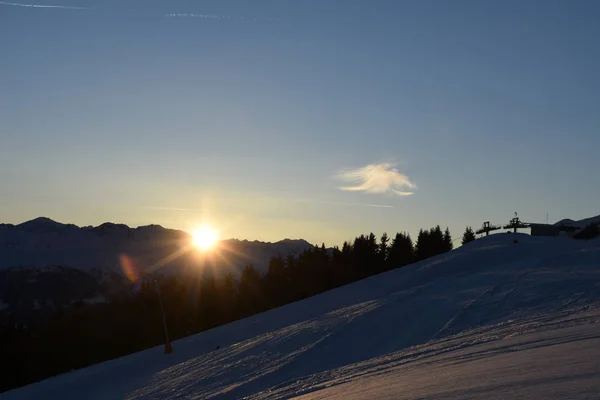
point(492, 319)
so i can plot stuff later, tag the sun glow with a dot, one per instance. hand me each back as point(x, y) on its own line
point(205, 237)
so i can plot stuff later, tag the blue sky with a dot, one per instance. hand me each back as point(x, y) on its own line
point(249, 115)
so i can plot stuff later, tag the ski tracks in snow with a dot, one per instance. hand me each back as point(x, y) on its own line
point(230, 370)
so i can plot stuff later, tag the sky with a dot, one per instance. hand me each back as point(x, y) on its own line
point(306, 119)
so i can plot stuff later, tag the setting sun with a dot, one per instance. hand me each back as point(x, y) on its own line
point(205, 237)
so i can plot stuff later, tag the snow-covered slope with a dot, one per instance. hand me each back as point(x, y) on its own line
point(492, 319)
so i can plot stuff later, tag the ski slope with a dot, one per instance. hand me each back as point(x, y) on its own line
point(492, 319)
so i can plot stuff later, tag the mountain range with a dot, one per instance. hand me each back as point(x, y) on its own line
point(46, 264)
point(43, 242)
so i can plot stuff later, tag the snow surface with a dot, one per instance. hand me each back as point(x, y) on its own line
point(492, 319)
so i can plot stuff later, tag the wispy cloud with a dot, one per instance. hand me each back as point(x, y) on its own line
point(337, 203)
point(377, 178)
point(6, 3)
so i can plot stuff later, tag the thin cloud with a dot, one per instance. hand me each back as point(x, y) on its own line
point(337, 203)
point(6, 3)
point(377, 178)
point(208, 16)
point(171, 208)
point(330, 203)
point(220, 17)
point(401, 193)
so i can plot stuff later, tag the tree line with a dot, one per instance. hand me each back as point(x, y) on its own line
point(87, 334)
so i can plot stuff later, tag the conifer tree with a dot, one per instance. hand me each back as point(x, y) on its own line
point(448, 245)
point(468, 236)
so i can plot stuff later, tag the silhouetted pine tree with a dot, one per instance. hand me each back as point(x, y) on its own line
point(277, 282)
point(401, 251)
point(373, 246)
point(448, 245)
point(325, 271)
point(343, 266)
point(311, 273)
point(251, 298)
point(423, 247)
point(383, 252)
point(337, 267)
point(291, 265)
point(468, 236)
point(364, 254)
point(208, 300)
point(176, 306)
point(437, 241)
point(226, 295)
point(431, 243)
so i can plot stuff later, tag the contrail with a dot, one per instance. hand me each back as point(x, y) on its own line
point(333, 203)
point(167, 15)
point(6, 3)
point(172, 208)
point(336, 203)
point(222, 17)
point(208, 16)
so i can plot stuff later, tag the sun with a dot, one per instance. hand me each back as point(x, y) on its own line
point(205, 237)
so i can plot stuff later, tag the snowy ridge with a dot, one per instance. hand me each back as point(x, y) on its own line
point(492, 319)
point(578, 224)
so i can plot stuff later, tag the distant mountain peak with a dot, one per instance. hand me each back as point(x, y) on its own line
point(43, 224)
point(282, 242)
point(39, 220)
point(294, 241)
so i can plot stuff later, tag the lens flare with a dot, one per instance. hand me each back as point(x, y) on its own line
point(128, 267)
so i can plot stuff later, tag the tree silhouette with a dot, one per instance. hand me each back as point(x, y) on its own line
point(343, 267)
point(251, 298)
point(401, 251)
point(437, 241)
point(208, 300)
point(226, 299)
point(448, 245)
point(277, 282)
point(383, 252)
point(468, 236)
point(423, 245)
